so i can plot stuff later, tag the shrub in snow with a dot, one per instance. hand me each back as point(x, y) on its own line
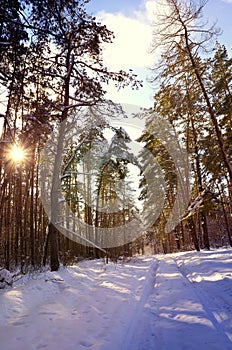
point(6, 278)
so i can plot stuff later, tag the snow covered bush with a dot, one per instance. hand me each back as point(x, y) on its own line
point(6, 278)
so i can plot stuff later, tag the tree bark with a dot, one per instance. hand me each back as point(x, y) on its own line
point(194, 234)
point(54, 256)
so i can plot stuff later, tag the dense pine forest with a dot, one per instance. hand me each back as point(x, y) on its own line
point(57, 194)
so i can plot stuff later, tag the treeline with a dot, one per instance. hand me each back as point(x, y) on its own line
point(52, 81)
point(50, 68)
point(195, 98)
point(207, 222)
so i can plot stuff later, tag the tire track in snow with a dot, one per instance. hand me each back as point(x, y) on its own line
point(205, 300)
point(195, 277)
point(140, 316)
point(141, 325)
point(182, 320)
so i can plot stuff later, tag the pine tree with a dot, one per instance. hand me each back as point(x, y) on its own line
point(179, 30)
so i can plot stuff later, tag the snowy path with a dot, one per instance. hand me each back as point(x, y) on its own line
point(180, 301)
point(183, 317)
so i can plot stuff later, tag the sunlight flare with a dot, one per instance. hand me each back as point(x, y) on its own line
point(17, 153)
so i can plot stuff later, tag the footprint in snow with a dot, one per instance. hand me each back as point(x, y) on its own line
point(18, 323)
point(41, 346)
point(86, 343)
point(46, 313)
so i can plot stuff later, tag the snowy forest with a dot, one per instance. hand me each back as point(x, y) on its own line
point(53, 82)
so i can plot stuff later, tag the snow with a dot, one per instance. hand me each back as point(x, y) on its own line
point(177, 301)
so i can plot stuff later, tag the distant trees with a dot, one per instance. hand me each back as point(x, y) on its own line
point(96, 186)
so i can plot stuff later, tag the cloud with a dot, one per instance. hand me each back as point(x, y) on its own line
point(150, 10)
point(130, 48)
point(133, 35)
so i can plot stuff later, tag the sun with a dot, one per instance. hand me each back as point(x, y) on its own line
point(17, 153)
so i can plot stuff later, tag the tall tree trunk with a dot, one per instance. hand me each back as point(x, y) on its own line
point(53, 234)
point(55, 192)
point(32, 218)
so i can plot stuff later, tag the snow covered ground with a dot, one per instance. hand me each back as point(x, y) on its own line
point(179, 301)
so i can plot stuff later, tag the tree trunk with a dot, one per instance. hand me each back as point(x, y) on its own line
point(204, 226)
point(54, 257)
point(228, 229)
point(55, 192)
point(194, 234)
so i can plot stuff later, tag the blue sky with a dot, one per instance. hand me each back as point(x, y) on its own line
point(131, 22)
point(221, 11)
point(115, 5)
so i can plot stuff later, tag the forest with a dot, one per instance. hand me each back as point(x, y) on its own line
point(67, 189)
